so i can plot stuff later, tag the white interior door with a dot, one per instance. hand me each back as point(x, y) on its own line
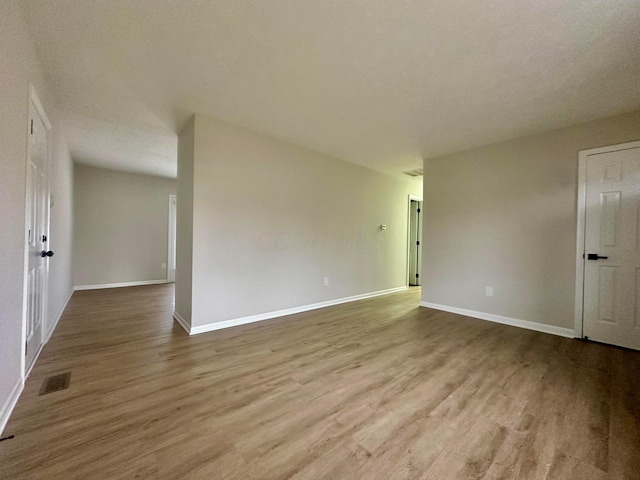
point(611, 312)
point(415, 241)
point(171, 260)
point(37, 235)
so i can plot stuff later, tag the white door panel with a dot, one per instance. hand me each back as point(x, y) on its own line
point(171, 262)
point(415, 241)
point(612, 281)
point(37, 234)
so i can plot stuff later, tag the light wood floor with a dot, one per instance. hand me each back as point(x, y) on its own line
point(377, 389)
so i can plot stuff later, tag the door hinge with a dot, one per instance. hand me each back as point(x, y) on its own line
point(417, 275)
point(418, 243)
point(44, 238)
point(419, 210)
point(32, 126)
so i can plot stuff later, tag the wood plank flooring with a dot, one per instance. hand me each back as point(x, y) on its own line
point(376, 389)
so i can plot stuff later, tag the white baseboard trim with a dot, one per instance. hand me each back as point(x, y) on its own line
point(48, 335)
point(35, 360)
point(514, 322)
point(119, 285)
point(281, 313)
point(10, 404)
point(58, 316)
point(182, 322)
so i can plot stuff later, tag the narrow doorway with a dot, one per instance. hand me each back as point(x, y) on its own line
point(415, 241)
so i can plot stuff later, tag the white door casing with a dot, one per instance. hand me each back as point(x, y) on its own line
point(609, 227)
point(37, 230)
point(171, 258)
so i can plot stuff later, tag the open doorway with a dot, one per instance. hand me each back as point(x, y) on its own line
point(414, 241)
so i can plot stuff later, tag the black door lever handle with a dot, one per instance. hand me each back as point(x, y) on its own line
point(595, 256)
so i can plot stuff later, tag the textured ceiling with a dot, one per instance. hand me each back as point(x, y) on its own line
point(383, 83)
point(120, 147)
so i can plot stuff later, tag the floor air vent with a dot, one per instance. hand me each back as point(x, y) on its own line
point(55, 383)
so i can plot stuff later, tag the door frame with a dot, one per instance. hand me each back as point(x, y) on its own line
point(583, 156)
point(409, 200)
point(34, 100)
point(171, 240)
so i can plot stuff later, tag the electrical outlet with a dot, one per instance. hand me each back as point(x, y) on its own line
point(163, 266)
point(488, 291)
point(325, 281)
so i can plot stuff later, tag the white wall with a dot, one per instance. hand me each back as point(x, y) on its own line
point(121, 226)
point(61, 232)
point(20, 67)
point(504, 216)
point(184, 221)
point(271, 219)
